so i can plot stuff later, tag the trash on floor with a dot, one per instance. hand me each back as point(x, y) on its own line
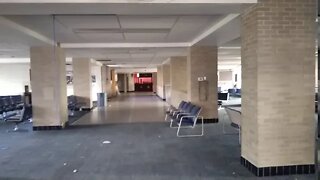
point(106, 142)
point(74, 171)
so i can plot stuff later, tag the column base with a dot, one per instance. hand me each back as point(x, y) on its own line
point(278, 170)
point(163, 99)
point(208, 121)
point(46, 128)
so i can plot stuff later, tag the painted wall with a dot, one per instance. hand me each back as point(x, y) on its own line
point(13, 78)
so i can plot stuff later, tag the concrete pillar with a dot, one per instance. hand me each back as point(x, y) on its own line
point(160, 92)
point(154, 82)
point(166, 82)
point(178, 80)
point(104, 79)
point(202, 63)
point(114, 85)
point(49, 88)
point(82, 80)
point(278, 59)
point(125, 83)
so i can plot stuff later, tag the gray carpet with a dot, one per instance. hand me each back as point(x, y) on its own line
point(140, 151)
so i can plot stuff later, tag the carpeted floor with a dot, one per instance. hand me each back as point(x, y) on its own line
point(137, 150)
point(141, 151)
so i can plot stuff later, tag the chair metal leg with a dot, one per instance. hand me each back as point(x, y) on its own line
point(193, 135)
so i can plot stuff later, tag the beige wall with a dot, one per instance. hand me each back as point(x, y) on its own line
point(49, 86)
point(278, 62)
point(202, 62)
point(178, 72)
point(82, 80)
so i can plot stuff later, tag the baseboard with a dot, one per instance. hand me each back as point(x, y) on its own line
point(163, 99)
point(208, 121)
point(46, 128)
point(278, 170)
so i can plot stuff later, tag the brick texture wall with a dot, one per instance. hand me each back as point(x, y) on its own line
point(202, 61)
point(278, 62)
point(178, 66)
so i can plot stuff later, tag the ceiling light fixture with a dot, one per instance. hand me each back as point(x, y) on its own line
point(113, 30)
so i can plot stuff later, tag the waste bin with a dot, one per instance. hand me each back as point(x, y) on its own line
point(102, 99)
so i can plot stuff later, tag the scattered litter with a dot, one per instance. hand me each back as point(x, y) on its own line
point(106, 142)
point(233, 173)
point(4, 148)
point(159, 136)
point(82, 157)
point(74, 171)
point(64, 164)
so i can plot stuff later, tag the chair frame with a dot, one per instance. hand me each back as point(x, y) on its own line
point(195, 120)
point(229, 117)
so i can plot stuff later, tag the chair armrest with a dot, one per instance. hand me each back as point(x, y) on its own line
point(182, 115)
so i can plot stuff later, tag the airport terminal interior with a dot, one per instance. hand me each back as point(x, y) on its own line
point(159, 90)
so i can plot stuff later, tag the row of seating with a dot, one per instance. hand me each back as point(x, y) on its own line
point(74, 104)
point(234, 92)
point(13, 109)
point(10, 103)
point(185, 116)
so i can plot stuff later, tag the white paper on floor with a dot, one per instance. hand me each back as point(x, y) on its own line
point(74, 171)
point(106, 142)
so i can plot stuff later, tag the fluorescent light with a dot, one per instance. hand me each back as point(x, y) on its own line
point(116, 30)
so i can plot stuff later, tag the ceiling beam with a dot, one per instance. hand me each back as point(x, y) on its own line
point(27, 31)
point(135, 1)
point(214, 27)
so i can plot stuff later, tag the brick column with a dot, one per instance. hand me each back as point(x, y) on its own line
point(160, 82)
point(82, 80)
point(178, 79)
point(202, 62)
point(49, 88)
point(166, 82)
point(278, 62)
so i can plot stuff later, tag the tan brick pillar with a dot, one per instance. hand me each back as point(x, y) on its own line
point(82, 80)
point(49, 88)
point(166, 82)
point(104, 78)
point(278, 62)
point(160, 92)
point(178, 80)
point(154, 82)
point(202, 62)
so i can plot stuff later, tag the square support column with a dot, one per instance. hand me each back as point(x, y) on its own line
point(49, 88)
point(202, 63)
point(278, 87)
point(82, 80)
point(178, 79)
point(160, 92)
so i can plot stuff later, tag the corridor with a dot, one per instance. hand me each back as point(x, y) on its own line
point(127, 108)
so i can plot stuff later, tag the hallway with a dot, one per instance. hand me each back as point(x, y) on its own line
point(127, 108)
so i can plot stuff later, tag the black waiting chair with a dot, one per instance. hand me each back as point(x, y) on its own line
point(188, 120)
point(172, 109)
point(24, 114)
